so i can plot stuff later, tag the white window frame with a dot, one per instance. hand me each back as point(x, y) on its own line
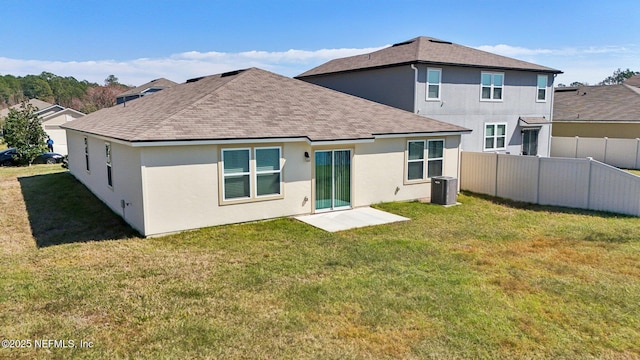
point(225, 175)
point(439, 84)
point(86, 155)
point(495, 136)
point(253, 176)
point(256, 172)
point(492, 86)
point(423, 160)
point(538, 88)
point(109, 161)
point(434, 159)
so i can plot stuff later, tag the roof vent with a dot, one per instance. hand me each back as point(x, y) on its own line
point(440, 41)
point(231, 73)
point(195, 79)
point(403, 43)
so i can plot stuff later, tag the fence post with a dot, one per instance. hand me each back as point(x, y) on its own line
point(590, 159)
point(575, 155)
point(538, 181)
point(637, 164)
point(606, 145)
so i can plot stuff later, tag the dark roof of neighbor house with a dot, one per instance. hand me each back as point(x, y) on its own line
point(597, 103)
point(425, 50)
point(160, 83)
point(253, 104)
point(633, 81)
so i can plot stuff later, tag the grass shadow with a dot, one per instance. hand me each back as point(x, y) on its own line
point(62, 210)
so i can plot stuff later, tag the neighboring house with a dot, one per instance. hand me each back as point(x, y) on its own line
point(151, 87)
point(506, 102)
point(51, 116)
point(250, 145)
point(611, 111)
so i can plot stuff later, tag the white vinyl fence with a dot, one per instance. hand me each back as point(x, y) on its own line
point(576, 183)
point(623, 153)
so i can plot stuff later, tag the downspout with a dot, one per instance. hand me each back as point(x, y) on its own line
point(553, 92)
point(415, 89)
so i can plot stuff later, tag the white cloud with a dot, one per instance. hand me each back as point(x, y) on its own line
point(179, 67)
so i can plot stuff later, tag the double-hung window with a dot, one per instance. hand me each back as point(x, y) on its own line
point(425, 159)
point(491, 85)
point(542, 88)
point(86, 153)
point(433, 83)
point(107, 150)
point(495, 136)
point(248, 174)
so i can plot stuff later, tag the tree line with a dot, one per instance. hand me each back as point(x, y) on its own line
point(618, 77)
point(66, 91)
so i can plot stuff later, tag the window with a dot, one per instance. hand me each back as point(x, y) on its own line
point(491, 86)
point(415, 162)
point(435, 157)
point(433, 84)
point(416, 159)
point(107, 148)
point(267, 171)
point(542, 88)
point(495, 136)
point(86, 153)
point(244, 177)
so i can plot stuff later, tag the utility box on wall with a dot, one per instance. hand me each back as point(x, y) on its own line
point(444, 190)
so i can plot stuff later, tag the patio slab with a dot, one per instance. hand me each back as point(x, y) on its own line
point(350, 219)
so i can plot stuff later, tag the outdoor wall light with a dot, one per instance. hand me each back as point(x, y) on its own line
point(306, 156)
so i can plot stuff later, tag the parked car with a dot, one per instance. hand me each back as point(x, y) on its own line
point(7, 158)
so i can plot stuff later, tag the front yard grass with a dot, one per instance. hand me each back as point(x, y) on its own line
point(487, 279)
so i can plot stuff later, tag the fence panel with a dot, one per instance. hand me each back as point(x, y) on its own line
point(577, 183)
point(591, 147)
point(564, 182)
point(623, 153)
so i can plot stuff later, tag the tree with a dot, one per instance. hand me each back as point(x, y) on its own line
point(22, 129)
point(111, 80)
point(618, 77)
point(35, 87)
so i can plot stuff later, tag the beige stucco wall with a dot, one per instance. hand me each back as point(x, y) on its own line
point(59, 136)
point(127, 180)
point(174, 188)
point(596, 130)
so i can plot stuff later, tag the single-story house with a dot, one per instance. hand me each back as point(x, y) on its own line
point(597, 111)
point(249, 145)
point(149, 88)
point(51, 116)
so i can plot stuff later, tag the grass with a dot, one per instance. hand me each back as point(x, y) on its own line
point(487, 279)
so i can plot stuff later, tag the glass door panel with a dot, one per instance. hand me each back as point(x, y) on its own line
point(324, 180)
point(333, 179)
point(342, 178)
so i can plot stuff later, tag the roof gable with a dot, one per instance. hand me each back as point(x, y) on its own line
point(252, 104)
point(158, 84)
point(425, 50)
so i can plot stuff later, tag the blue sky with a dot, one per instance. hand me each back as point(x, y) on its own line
point(142, 40)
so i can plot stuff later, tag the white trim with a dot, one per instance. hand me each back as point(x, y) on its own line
point(495, 136)
point(546, 88)
point(434, 134)
point(248, 173)
point(422, 160)
point(439, 84)
point(492, 86)
point(109, 160)
point(434, 159)
point(256, 172)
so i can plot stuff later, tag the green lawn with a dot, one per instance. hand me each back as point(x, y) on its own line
point(487, 279)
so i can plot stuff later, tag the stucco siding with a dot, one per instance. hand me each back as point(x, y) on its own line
point(126, 175)
point(182, 188)
point(59, 136)
point(389, 86)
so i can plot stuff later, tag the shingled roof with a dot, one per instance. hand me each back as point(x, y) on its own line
point(597, 103)
point(633, 81)
point(253, 104)
point(425, 50)
point(160, 83)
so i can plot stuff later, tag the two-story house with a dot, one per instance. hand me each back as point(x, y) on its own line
point(506, 102)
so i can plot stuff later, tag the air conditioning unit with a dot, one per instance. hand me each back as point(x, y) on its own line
point(444, 190)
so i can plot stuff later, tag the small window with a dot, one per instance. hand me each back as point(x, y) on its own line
point(267, 171)
point(107, 148)
point(433, 83)
point(86, 153)
point(415, 160)
point(542, 88)
point(495, 137)
point(491, 86)
point(435, 157)
point(236, 174)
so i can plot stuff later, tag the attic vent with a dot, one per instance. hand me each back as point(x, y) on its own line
point(440, 41)
point(403, 43)
point(195, 79)
point(231, 73)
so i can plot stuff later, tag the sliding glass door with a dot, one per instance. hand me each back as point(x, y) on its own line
point(333, 179)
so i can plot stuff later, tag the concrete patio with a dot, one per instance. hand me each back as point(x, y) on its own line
point(350, 219)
